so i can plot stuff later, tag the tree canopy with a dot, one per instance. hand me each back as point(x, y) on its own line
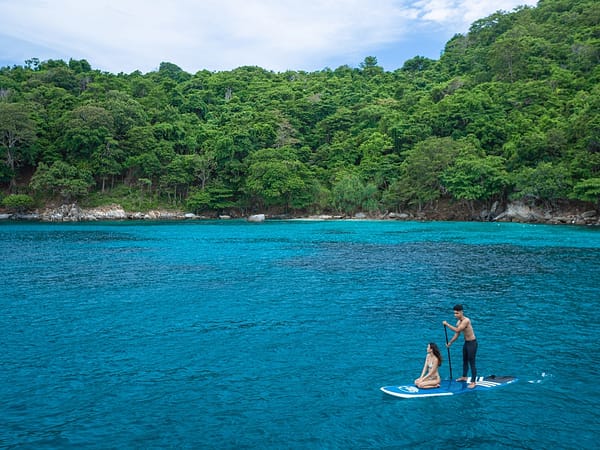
point(509, 111)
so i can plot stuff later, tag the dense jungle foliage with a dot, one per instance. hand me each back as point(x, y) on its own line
point(510, 111)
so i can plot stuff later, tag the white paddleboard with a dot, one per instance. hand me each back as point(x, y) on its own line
point(449, 387)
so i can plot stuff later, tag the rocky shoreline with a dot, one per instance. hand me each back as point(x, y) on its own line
point(513, 212)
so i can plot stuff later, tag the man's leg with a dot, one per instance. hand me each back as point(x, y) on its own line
point(465, 363)
point(471, 351)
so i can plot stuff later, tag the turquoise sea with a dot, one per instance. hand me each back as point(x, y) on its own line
point(279, 335)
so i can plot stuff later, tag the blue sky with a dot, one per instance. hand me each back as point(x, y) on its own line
point(128, 35)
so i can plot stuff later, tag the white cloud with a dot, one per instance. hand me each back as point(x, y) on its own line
point(125, 35)
point(461, 13)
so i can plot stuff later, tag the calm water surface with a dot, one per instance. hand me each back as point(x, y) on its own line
point(279, 335)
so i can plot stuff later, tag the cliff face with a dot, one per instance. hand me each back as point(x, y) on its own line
point(577, 213)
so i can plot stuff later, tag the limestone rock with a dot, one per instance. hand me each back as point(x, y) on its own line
point(256, 218)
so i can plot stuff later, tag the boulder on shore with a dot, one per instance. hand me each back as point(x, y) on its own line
point(256, 218)
point(520, 212)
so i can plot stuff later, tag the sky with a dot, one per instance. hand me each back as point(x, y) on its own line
point(219, 35)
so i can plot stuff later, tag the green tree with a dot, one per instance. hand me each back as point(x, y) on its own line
point(351, 194)
point(213, 198)
point(198, 201)
point(378, 165)
point(126, 113)
point(17, 133)
point(85, 129)
point(341, 120)
point(422, 169)
point(370, 68)
point(588, 190)
point(107, 162)
point(276, 177)
point(507, 57)
point(204, 168)
point(60, 178)
point(177, 177)
point(546, 182)
point(472, 177)
point(18, 202)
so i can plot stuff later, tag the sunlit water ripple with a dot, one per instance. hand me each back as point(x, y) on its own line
point(279, 335)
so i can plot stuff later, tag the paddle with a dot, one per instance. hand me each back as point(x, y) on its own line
point(448, 348)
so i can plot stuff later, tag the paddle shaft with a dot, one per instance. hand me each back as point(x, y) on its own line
point(448, 348)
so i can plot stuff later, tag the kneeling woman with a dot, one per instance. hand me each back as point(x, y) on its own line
point(430, 377)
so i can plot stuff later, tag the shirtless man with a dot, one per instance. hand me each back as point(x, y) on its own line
point(470, 346)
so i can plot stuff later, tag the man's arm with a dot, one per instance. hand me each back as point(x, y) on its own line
point(460, 326)
point(455, 337)
point(446, 324)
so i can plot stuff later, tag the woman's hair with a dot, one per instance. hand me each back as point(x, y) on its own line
point(436, 352)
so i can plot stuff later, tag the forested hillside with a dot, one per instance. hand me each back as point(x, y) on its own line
point(510, 111)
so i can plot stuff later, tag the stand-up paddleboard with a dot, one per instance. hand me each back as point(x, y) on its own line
point(449, 387)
